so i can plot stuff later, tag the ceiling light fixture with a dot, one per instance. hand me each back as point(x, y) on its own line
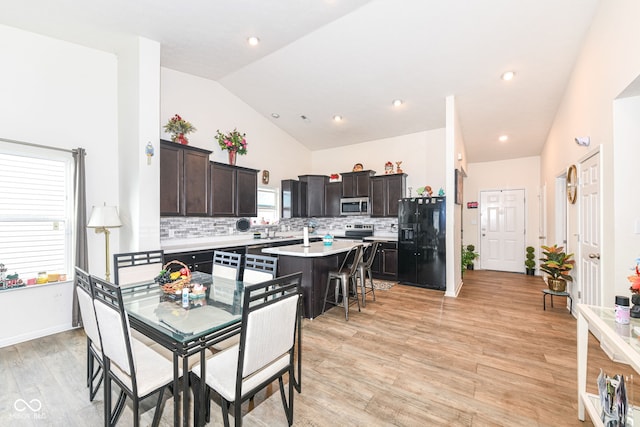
point(503, 138)
point(253, 41)
point(397, 102)
point(337, 118)
point(508, 75)
point(275, 115)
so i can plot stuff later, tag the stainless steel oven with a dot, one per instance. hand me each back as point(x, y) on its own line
point(355, 206)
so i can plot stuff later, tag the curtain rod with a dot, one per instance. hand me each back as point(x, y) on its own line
point(66, 150)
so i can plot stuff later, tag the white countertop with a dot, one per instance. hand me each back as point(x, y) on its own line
point(205, 243)
point(315, 249)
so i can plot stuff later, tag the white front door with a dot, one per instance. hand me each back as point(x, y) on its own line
point(502, 229)
point(590, 239)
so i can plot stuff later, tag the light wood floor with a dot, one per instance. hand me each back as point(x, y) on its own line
point(491, 357)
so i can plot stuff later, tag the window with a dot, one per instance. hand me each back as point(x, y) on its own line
point(35, 211)
point(267, 206)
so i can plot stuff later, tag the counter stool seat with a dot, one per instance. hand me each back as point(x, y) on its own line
point(345, 277)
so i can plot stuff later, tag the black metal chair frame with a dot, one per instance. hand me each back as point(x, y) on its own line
point(347, 275)
point(261, 263)
point(111, 296)
point(258, 297)
point(135, 259)
point(83, 284)
point(228, 259)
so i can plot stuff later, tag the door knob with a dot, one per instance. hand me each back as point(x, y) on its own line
point(596, 256)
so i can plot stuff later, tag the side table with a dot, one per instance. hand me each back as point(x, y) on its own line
point(546, 292)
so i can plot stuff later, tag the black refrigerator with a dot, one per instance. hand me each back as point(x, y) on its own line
point(422, 242)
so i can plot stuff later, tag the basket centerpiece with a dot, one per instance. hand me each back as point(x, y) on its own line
point(173, 282)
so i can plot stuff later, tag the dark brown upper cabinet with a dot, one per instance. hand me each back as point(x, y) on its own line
point(386, 190)
point(234, 190)
point(316, 185)
point(184, 180)
point(356, 184)
point(293, 195)
point(332, 195)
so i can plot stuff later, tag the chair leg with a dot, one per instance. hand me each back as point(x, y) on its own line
point(345, 297)
point(225, 411)
point(160, 408)
point(288, 408)
point(362, 276)
point(326, 295)
point(117, 411)
point(94, 390)
point(373, 289)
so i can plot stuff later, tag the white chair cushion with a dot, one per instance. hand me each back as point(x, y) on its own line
point(254, 276)
point(153, 370)
point(113, 338)
point(138, 273)
point(88, 317)
point(222, 368)
point(224, 271)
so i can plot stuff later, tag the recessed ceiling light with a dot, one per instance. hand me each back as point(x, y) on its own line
point(253, 41)
point(397, 102)
point(337, 118)
point(503, 138)
point(275, 115)
point(508, 75)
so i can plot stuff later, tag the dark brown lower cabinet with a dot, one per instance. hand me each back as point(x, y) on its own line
point(385, 264)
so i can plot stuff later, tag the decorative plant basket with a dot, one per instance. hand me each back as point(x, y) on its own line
point(171, 286)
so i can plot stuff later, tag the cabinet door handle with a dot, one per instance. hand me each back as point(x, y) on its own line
point(596, 256)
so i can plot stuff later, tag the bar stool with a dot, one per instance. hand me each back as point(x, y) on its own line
point(364, 271)
point(345, 278)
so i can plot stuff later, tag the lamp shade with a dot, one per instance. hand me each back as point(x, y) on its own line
point(104, 216)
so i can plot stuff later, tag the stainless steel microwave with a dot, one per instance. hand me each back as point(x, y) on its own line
point(355, 206)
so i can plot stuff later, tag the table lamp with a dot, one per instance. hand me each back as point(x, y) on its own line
point(102, 219)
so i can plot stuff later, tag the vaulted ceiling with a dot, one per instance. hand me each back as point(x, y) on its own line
point(321, 58)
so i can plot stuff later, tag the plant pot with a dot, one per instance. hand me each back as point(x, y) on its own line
point(557, 285)
point(182, 139)
point(232, 157)
point(531, 271)
point(469, 266)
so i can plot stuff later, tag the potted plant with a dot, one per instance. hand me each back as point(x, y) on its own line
point(557, 264)
point(530, 262)
point(468, 255)
point(234, 142)
point(179, 128)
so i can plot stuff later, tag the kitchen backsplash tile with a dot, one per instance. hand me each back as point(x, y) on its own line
point(195, 227)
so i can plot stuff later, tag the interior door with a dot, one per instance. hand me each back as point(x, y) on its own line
point(589, 199)
point(502, 230)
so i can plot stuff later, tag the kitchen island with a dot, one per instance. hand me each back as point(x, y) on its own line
point(314, 261)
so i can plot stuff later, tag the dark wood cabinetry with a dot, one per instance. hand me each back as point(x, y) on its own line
point(385, 264)
point(184, 180)
point(195, 260)
point(294, 198)
point(234, 190)
point(356, 184)
point(386, 190)
point(332, 195)
point(316, 185)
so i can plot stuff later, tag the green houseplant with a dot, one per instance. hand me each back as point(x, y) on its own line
point(468, 255)
point(558, 265)
point(179, 128)
point(530, 262)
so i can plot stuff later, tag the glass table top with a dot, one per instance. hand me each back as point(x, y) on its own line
point(220, 306)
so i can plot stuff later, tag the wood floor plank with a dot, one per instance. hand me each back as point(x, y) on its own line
point(490, 357)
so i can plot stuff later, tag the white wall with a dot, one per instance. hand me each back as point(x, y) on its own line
point(209, 107)
point(422, 155)
point(606, 65)
point(454, 145)
point(61, 95)
point(522, 173)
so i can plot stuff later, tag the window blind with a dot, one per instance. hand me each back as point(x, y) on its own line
point(34, 215)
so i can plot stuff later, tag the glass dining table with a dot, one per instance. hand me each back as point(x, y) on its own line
point(185, 329)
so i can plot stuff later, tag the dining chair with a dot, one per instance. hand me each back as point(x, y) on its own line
point(270, 319)
point(226, 264)
point(346, 277)
point(136, 267)
point(137, 369)
point(364, 271)
point(90, 325)
point(259, 268)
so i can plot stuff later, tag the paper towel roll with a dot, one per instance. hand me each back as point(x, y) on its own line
point(305, 236)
